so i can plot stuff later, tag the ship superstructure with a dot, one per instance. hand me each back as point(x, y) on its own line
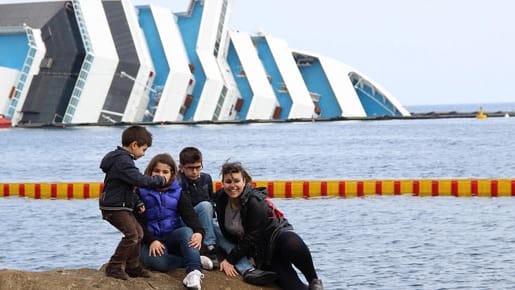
point(108, 61)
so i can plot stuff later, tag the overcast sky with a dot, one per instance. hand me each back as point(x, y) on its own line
point(421, 51)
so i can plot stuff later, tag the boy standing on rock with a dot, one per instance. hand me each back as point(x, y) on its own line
point(118, 200)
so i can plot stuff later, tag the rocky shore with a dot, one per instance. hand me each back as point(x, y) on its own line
point(82, 279)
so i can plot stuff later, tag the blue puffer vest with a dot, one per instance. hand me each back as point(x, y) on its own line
point(162, 209)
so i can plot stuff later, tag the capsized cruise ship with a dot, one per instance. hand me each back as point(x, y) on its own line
point(110, 62)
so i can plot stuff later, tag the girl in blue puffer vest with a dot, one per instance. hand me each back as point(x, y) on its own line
point(172, 231)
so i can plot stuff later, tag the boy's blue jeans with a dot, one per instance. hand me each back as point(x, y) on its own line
point(244, 263)
point(177, 253)
point(204, 210)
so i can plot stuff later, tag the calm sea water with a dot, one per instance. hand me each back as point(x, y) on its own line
point(400, 242)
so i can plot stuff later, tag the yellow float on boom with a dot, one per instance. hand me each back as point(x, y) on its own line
point(481, 114)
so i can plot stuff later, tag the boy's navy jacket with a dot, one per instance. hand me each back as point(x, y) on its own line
point(121, 176)
point(198, 190)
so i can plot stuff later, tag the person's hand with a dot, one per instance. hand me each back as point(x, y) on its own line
point(195, 241)
point(141, 209)
point(156, 249)
point(228, 269)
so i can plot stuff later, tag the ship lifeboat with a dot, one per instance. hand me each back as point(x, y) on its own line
point(4, 122)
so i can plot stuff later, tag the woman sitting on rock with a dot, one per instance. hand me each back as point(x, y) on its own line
point(246, 219)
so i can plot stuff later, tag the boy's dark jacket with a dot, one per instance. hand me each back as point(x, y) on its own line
point(260, 226)
point(121, 176)
point(198, 190)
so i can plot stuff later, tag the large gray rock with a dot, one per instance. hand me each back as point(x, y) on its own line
point(82, 279)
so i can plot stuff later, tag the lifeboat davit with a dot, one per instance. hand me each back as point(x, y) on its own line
point(4, 122)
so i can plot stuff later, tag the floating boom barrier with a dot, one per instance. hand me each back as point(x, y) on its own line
point(296, 188)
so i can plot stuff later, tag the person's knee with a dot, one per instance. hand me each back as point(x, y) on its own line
point(184, 233)
point(204, 207)
point(134, 233)
point(133, 237)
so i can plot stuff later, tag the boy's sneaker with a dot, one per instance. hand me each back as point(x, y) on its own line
point(259, 277)
point(214, 258)
point(206, 263)
point(193, 280)
point(316, 284)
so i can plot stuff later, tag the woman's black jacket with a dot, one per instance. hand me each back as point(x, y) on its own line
point(259, 224)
